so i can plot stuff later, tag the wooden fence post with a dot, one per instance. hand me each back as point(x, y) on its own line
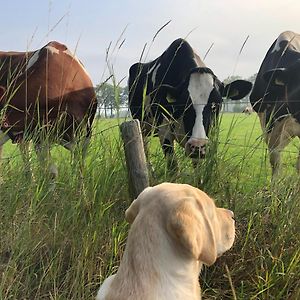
point(135, 157)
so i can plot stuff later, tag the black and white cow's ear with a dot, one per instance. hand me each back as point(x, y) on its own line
point(166, 91)
point(276, 77)
point(237, 89)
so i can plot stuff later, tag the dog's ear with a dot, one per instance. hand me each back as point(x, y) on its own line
point(132, 211)
point(188, 225)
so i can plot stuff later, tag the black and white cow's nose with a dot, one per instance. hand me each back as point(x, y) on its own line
point(197, 152)
point(196, 148)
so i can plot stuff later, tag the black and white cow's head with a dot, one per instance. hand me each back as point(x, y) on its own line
point(284, 84)
point(199, 98)
point(288, 77)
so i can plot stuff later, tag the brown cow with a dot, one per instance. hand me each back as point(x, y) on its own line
point(45, 96)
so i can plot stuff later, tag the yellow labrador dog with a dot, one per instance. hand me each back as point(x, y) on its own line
point(175, 228)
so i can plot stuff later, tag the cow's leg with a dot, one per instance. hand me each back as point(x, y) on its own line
point(146, 148)
point(3, 139)
point(298, 159)
point(44, 158)
point(168, 149)
point(274, 140)
point(167, 138)
point(78, 149)
point(275, 158)
point(277, 140)
point(74, 147)
point(24, 150)
point(298, 164)
point(167, 143)
point(85, 146)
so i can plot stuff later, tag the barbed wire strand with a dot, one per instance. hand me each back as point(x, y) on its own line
point(101, 132)
point(224, 104)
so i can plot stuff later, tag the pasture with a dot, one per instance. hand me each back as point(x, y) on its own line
point(60, 243)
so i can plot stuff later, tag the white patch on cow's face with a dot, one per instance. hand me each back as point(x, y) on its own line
point(200, 87)
point(33, 59)
point(52, 50)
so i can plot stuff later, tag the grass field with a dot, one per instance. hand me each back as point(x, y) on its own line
point(62, 242)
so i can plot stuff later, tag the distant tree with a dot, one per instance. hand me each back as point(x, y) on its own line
point(111, 98)
point(252, 78)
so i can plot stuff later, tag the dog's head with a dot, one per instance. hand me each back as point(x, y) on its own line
point(198, 228)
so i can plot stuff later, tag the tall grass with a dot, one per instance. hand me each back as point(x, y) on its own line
point(62, 243)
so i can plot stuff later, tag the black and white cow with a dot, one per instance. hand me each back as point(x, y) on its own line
point(276, 95)
point(178, 98)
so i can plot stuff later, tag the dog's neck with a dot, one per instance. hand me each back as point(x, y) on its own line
point(152, 269)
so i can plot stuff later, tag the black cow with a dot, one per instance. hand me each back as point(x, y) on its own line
point(177, 97)
point(276, 95)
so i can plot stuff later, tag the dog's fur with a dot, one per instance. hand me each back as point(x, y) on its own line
point(175, 228)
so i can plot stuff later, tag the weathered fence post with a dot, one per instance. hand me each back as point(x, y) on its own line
point(135, 157)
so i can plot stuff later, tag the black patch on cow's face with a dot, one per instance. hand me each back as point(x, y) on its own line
point(212, 109)
point(189, 117)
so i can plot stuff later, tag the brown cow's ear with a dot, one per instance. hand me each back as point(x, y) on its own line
point(132, 211)
point(192, 231)
point(2, 91)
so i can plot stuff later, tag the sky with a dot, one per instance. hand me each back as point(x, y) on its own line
point(109, 36)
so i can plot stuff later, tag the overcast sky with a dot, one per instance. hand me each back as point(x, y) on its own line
point(88, 27)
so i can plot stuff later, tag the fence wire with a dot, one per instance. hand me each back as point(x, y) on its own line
point(224, 106)
point(254, 147)
point(54, 145)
